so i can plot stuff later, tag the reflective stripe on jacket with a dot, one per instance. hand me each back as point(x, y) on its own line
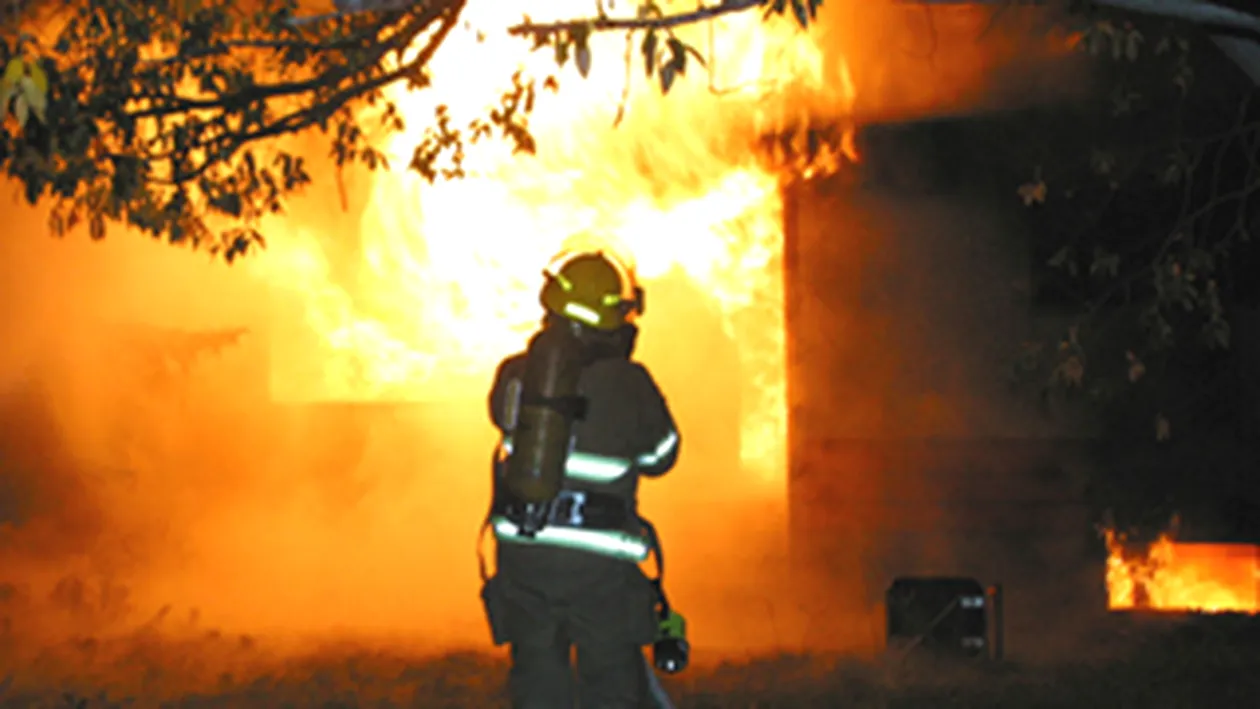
point(617, 544)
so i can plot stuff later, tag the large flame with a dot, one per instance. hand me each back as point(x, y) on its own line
point(358, 519)
point(449, 272)
point(1178, 576)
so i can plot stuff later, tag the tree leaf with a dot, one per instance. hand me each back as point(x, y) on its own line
point(1132, 45)
point(1102, 162)
point(1136, 367)
point(6, 97)
point(583, 60)
point(667, 78)
point(562, 50)
point(1104, 264)
point(801, 13)
point(1097, 38)
point(13, 71)
point(38, 76)
point(1171, 174)
point(695, 54)
point(230, 203)
point(35, 98)
point(96, 227)
point(1033, 192)
point(1163, 428)
point(21, 110)
point(1060, 257)
point(1071, 372)
point(677, 55)
point(1182, 79)
point(649, 52)
point(1216, 333)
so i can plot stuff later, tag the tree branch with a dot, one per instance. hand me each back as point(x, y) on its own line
point(1196, 11)
point(226, 47)
point(603, 23)
point(311, 115)
point(168, 105)
point(346, 8)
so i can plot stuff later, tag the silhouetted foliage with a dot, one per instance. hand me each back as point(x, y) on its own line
point(164, 114)
point(1142, 206)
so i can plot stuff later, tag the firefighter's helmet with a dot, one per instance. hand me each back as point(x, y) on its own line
point(592, 288)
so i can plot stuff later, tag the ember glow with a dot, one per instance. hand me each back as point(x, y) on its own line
point(1178, 576)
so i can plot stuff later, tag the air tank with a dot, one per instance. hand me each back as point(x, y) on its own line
point(548, 405)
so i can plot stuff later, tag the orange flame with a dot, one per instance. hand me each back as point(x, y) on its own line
point(1178, 576)
point(348, 519)
point(449, 272)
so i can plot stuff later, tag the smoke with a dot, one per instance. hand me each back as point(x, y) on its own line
point(147, 473)
point(96, 450)
point(911, 60)
point(144, 465)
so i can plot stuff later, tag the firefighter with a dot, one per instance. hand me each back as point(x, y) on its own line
point(581, 421)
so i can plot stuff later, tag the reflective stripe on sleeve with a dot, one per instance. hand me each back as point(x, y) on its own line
point(663, 449)
point(589, 467)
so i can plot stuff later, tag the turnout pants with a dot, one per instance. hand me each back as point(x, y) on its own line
point(546, 602)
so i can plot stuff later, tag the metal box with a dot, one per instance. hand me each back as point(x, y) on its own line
point(949, 616)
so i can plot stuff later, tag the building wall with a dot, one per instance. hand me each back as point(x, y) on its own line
point(910, 455)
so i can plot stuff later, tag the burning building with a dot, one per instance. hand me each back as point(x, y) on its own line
point(327, 473)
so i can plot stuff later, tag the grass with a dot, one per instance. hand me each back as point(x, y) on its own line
point(1191, 664)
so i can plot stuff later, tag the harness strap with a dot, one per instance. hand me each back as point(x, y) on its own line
point(480, 544)
point(573, 408)
point(570, 508)
point(654, 546)
point(496, 460)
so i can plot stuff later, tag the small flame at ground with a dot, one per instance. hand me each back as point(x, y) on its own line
point(1177, 576)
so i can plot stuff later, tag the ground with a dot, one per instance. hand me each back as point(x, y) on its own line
point(1141, 662)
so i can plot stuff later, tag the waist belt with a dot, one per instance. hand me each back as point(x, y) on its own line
point(574, 509)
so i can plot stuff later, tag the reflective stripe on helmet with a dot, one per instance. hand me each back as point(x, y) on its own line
point(620, 545)
point(578, 311)
point(664, 448)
